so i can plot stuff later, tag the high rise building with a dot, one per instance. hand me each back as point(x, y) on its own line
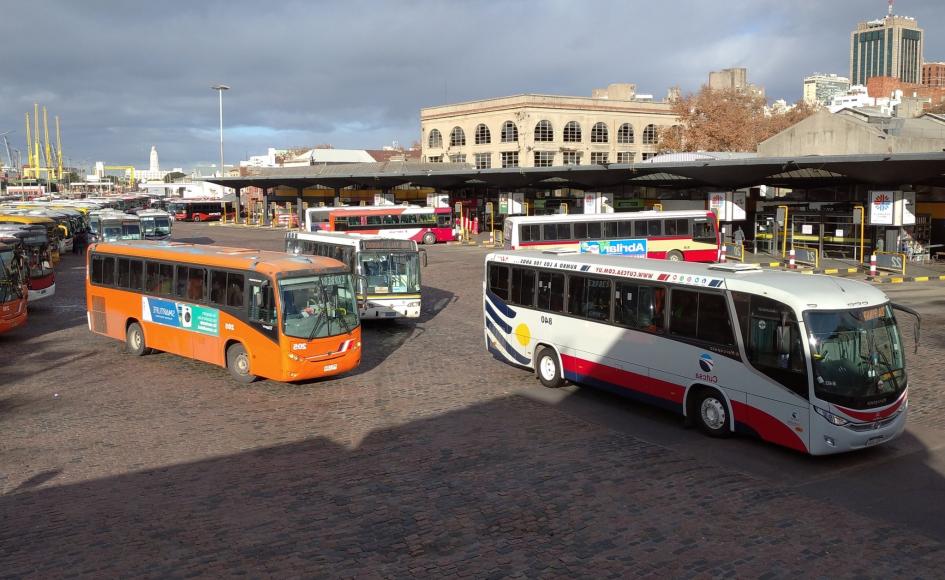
point(154, 165)
point(886, 47)
point(821, 88)
point(733, 79)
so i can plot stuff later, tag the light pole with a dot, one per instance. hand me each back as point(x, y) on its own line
point(220, 89)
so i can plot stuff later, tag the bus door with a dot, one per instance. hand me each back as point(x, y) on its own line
point(778, 412)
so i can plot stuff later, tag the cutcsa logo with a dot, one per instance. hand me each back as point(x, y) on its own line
point(706, 363)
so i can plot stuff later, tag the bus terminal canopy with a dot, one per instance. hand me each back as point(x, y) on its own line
point(886, 170)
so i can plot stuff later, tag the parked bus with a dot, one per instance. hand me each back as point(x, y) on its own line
point(690, 236)
point(155, 224)
point(111, 226)
point(317, 218)
point(41, 278)
point(814, 363)
point(421, 224)
point(387, 271)
point(13, 285)
point(198, 210)
point(52, 229)
point(256, 313)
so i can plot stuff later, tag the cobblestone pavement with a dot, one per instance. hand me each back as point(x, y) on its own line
point(431, 459)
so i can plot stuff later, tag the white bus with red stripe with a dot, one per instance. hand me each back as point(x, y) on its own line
point(689, 235)
point(427, 225)
point(813, 363)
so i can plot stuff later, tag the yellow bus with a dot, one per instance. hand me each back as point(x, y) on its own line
point(256, 313)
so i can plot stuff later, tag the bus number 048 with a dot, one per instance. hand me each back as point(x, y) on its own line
point(546, 320)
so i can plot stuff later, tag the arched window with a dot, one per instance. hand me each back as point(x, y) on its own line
point(544, 131)
point(509, 132)
point(483, 136)
point(435, 140)
point(572, 132)
point(599, 133)
point(457, 137)
point(649, 135)
point(625, 133)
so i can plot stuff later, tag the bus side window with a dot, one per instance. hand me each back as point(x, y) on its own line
point(682, 227)
point(564, 232)
point(670, 226)
point(639, 229)
point(136, 275)
point(166, 277)
point(701, 316)
point(593, 230)
point(551, 291)
point(758, 321)
point(218, 287)
point(610, 230)
point(108, 271)
point(234, 290)
point(262, 303)
point(523, 287)
point(580, 231)
point(124, 272)
point(550, 232)
point(499, 280)
point(525, 233)
point(589, 297)
point(684, 312)
point(654, 227)
point(96, 269)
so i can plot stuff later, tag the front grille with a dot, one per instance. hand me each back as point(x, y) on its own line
point(861, 427)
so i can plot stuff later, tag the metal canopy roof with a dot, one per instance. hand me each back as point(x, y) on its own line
point(806, 171)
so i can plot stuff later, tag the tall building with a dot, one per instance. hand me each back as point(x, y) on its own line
point(933, 74)
point(155, 166)
point(821, 88)
point(733, 79)
point(615, 125)
point(886, 47)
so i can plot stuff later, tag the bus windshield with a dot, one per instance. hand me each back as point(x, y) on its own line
point(130, 232)
point(112, 233)
point(9, 284)
point(156, 226)
point(857, 356)
point(318, 306)
point(392, 273)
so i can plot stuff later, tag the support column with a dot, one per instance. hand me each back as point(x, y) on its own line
point(236, 205)
point(266, 221)
point(301, 211)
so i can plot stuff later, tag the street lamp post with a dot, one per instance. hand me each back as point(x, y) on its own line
point(220, 89)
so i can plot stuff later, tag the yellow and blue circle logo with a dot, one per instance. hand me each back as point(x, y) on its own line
point(523, 334)
point(706, 362)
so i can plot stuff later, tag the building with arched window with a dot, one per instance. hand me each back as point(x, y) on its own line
point(614, 125)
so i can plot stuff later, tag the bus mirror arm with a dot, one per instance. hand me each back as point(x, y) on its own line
point(917, 329)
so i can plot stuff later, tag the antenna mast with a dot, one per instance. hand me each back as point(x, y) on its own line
point(890, 11)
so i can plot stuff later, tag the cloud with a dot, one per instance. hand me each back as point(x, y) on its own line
point(356, 73)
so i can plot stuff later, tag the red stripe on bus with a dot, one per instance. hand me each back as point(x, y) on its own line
point(625, 379)
point(767, 427)
point(873, 415)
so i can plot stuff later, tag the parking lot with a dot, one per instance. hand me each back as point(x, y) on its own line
point(430, 459)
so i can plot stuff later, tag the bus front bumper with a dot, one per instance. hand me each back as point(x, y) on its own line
point(827, 438)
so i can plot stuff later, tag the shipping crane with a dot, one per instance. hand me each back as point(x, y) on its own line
point(129, 168)
point(10, 161)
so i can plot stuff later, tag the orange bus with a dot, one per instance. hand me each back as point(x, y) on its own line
point(256, 313)
point(13, 293)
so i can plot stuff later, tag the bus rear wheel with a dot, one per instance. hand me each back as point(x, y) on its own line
point(674, 256)
point(134, 340)
point(237, 362)
point(429, 238)
point(712, 413)
point(549, 371)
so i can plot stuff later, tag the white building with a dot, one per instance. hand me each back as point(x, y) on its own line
point(822, 88)
point(858, 97)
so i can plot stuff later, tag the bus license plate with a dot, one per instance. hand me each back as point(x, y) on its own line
point(330, 368)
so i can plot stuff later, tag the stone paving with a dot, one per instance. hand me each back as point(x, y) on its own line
point(428, 460)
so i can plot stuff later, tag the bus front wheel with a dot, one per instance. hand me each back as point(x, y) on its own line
point(429, 238)
point(237, 362)
point(674, 256)
point(134, 340)
point(712, 413)
point(549, 371)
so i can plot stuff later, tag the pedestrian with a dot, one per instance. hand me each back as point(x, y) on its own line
point(880, 245)
point(739, 236)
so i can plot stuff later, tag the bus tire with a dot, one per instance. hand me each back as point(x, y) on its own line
point(429, 238)
point(711, 413)
point(134, 340)
point(548, 369)
point(237, 362)
point(674, 256)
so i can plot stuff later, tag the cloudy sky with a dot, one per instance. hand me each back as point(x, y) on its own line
point(123, 76)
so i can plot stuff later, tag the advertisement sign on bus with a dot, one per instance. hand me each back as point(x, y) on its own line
point(634, 248)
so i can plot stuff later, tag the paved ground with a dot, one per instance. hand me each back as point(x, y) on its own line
point(431, 459)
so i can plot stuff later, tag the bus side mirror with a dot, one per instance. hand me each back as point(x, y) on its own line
point(360, 290)
point(424, 254)
point(783, 336)
point(918, 322)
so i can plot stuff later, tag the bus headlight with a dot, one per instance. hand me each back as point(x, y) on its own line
point(295, 357)
point(834, 419)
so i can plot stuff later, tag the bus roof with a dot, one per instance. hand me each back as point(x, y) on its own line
point(393, 209)
point(591, 217)
point(375, 241)
point(25, 219)
point(802, 291)
point(265, 262)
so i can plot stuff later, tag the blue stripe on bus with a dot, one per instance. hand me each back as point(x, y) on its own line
point(506, 346)
point(623, 391)
point(499, 322)
point(715, 283)
point(499, 304)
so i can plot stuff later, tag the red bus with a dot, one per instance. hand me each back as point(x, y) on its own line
point(426, 225)
point(13, 287)
point(198, 210)
point(688, 235)
point(41, 278)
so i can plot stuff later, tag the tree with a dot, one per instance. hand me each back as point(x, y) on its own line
point(725, 120)
point(938, 108)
